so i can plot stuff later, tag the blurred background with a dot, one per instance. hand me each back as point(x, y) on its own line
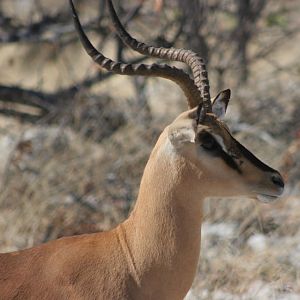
point(74, 139)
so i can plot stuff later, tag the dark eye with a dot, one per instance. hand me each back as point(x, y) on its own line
point(208, 142)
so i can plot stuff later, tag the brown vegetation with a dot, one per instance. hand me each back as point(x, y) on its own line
point(74, 140)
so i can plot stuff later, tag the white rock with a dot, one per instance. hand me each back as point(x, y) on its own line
point(294, 256)
point(221, 230)
point(259, 290)
point(289, 297)
point(220, 295)
point(7, 145)
point(191, 296)
point(258, 242)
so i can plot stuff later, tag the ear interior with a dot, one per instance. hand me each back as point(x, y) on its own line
point(220, 103)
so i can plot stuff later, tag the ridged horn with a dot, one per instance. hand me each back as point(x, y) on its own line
point(172, 73)
point(192, 59)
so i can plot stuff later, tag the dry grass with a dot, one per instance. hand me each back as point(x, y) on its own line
point(57, 181)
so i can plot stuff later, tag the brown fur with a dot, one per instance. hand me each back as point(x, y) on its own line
point(154, 253)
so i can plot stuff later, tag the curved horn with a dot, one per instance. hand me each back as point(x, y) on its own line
point(154, 70)
point(187, 56)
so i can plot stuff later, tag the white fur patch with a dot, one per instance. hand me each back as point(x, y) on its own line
point(220, 141)
point(182, 135)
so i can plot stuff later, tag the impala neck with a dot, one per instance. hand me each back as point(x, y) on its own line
point(163, 231)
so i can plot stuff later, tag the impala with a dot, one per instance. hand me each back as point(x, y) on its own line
point(154, 253)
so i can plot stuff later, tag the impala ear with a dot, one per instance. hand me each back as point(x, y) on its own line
point(220, 103)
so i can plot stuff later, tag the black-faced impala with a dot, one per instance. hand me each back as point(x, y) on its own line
point(154, 253)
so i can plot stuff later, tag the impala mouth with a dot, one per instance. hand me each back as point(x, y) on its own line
point(266, 198)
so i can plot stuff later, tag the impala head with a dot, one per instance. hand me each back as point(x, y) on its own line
point(228, 167)
point(199, 134)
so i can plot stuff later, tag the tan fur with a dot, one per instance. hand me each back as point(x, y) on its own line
point(154, 253)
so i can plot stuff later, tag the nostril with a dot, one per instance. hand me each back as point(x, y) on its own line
point(277, 180)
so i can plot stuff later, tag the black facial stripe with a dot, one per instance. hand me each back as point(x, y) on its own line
point(219, 152)
point(252, 158)
point(230, 161)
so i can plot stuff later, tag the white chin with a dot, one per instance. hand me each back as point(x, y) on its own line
point(266, 198)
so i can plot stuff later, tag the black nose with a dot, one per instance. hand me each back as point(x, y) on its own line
point(277, 180)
